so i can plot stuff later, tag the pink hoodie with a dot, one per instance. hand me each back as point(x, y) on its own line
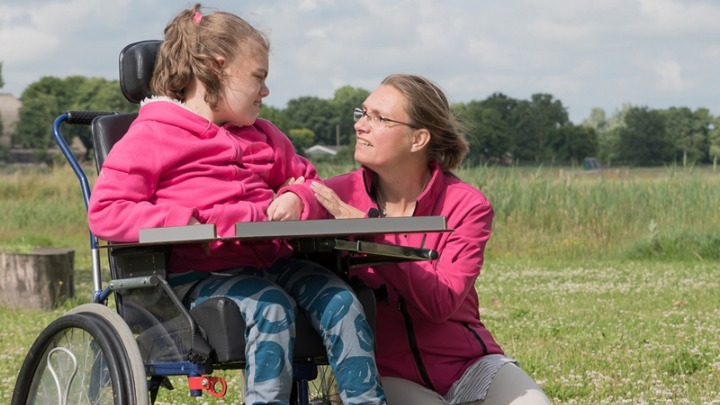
point(429, 329)
point(173, 164)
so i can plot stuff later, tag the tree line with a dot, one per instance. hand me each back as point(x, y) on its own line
point(500, 129)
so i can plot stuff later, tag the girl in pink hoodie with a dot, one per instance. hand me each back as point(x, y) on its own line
point(197, 153)
point(432, 347)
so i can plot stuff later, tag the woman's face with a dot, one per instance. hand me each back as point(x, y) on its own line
point(381, 144)
point(244, 87)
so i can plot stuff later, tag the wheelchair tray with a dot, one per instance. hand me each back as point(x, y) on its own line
point(309, 235)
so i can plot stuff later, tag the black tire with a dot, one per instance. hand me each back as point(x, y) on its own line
point(73, 360)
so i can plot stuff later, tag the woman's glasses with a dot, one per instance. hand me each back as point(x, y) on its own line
point(376, 121)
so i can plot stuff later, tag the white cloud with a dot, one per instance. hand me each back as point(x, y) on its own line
point(669, 76)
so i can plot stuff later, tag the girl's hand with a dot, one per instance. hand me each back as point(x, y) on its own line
point(292, 180)
point(335, 206)
point(286, 207)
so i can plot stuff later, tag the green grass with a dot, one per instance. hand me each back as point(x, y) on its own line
point(604, 286)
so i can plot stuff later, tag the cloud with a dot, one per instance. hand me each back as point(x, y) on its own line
point(669, 76)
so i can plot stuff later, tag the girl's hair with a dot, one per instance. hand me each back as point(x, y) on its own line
point(428, 108)
point(192, 44)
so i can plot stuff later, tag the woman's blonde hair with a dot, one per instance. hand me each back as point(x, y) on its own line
point(192, 44)
point(428, 108)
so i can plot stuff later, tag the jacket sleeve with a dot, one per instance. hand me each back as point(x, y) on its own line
point(437, 289)
point(120, 201)
point(290, 164)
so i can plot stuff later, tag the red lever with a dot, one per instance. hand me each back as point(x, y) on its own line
point(208, 384)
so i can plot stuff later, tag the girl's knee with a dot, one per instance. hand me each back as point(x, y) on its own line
point(274, 311)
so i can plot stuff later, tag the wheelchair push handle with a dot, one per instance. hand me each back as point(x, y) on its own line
point(76, 117)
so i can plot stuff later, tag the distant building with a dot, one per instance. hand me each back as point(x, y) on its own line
point(321, 150)
point(9, 109)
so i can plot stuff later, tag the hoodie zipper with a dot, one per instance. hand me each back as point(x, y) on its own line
point(413, 344)
point(479, 339)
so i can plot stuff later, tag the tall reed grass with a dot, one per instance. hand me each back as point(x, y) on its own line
point(552, 214)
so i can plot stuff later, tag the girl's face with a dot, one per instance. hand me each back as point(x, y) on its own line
point(383, 143)
point(244, 87)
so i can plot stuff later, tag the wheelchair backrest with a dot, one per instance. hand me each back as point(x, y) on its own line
point(137, 62)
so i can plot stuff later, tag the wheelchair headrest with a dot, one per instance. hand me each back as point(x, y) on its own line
point(137, 62)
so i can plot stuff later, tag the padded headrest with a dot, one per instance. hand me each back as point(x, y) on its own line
point(137, 62)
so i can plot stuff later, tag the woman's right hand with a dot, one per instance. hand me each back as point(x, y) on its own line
point(335, 206)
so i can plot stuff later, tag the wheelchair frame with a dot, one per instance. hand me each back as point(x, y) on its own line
point(125, 357)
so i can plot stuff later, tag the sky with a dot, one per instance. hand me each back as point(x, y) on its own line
point(586, 53)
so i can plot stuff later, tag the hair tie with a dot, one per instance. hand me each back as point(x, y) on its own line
point(197, 18)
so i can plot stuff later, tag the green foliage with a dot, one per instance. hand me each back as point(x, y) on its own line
point(330, 120)
point(301, 138)
point(277, 117)
point(689, 131)
point(500, 129)
point(346, 98)
point(644, 141)
point(316, 115)
point(567, 214)
point(486, 132)
point(46, 99)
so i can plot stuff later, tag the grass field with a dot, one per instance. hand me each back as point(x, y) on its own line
point(604, 286)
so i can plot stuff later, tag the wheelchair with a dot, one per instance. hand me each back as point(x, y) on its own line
point(97, 355)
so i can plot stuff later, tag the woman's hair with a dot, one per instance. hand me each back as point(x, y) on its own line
point(192, 44)
point(428, 108)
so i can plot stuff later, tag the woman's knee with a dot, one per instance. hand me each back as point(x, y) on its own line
point(512, 385)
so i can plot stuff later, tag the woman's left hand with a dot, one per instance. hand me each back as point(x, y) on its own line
point(335, 206)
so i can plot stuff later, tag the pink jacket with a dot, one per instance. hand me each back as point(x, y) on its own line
point(429, 329)
point(173, 164)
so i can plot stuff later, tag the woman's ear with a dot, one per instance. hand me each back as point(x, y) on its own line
point(420, 138)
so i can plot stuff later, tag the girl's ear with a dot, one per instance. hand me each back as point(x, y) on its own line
point(420, 138)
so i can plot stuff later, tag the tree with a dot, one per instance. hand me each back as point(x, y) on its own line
point(301, 138)
point(689, 132)
point(536, 127)
point(487, 132)
point(577, 143)
point(714, 140)
point(315, 114)
point(277, 117)
point(2, 84)
point(49, 97)
point(346, 98)
point(38, 111)
point(644, 140)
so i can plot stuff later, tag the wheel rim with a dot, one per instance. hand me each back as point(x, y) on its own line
point(73, 369)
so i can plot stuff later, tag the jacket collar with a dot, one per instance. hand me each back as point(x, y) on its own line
point(426, 199)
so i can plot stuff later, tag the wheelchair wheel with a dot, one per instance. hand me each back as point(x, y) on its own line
point(72, 361)
point(134, 374)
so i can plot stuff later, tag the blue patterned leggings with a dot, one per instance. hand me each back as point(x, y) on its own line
point(268, 298)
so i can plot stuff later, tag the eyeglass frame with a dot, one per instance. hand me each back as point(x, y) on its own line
point(358, 113)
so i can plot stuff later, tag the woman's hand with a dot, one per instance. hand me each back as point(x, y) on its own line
point(335, 206)
point(286, 207)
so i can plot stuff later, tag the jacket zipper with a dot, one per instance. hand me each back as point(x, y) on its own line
point(484, 347)
point(413, 344)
